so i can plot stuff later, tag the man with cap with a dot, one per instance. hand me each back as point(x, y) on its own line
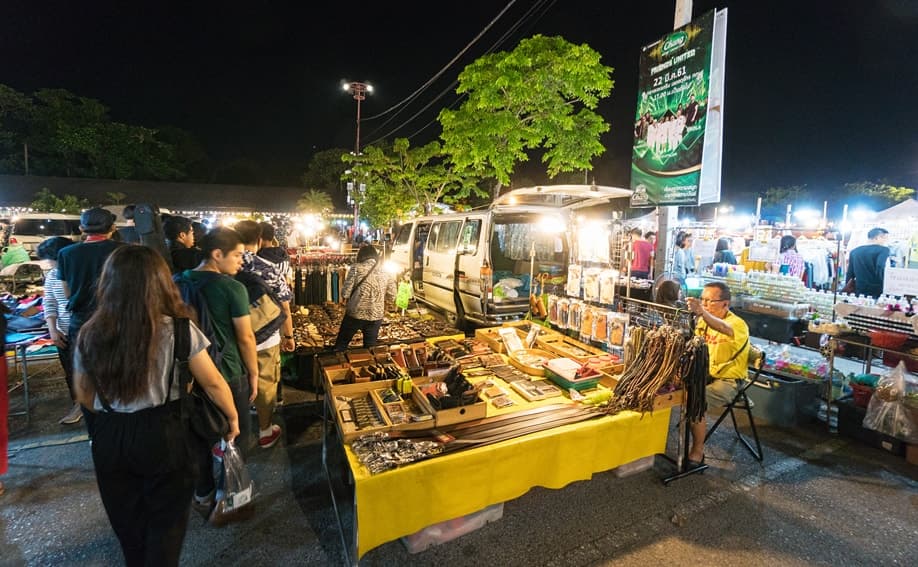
point(80, 266)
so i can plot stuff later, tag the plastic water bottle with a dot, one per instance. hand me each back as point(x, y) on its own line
point(833, 419)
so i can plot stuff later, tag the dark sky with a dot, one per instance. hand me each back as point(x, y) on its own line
point(818, 92)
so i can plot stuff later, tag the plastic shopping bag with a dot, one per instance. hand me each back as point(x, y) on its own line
point(887, 412)
point(235, 489)
point(403, 296)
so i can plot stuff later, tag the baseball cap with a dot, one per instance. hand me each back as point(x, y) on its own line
point(96, 220)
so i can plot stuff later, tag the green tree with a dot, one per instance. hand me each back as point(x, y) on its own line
point(325, 170)
point(776, 196)
point(15, 114)
point(540, 96)
point(116, 197)
point(315, 202)
point(406, 178)
point(47, 202)
point(880, 193)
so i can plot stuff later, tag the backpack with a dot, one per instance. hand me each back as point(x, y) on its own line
point(265, 309)
point(193, 296)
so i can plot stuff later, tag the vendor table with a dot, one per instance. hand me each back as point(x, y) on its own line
point(18, 345)
point(400, 502)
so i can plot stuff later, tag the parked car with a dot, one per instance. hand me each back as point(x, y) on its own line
point(30, 229)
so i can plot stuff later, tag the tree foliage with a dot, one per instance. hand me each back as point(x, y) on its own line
point(47, 202)
point(789, 194)
point(74, 136)
point(880, 193)
point(315, 202)
point(325, 170)
point(402, 179)
point(540, 96)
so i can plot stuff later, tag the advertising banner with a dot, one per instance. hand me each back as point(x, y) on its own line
point(679, 104)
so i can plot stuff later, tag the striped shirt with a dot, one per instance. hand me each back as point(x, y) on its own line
point(55, 302)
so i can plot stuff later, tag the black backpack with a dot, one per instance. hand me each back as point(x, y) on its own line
point(265, 309)
point(192, 294)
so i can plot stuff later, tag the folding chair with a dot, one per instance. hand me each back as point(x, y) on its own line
point(741, 402)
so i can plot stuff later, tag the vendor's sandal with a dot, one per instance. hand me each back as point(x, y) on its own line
point(694, 464)
point(2, 489)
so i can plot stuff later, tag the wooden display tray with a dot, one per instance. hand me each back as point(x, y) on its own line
point(531, 370)
point(451, 416)
point(663, 401)
point(566, 347)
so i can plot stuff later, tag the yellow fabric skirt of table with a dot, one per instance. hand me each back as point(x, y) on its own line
point(400, 502)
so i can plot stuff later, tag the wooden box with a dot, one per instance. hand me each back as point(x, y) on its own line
point(491, 337)
point(663, 401)
point(567, 347)
point(347, 430)
point(450, 416)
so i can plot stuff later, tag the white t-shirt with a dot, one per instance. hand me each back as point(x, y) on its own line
point(162, 368)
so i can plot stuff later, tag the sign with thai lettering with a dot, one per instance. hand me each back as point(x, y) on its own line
point(676, 157)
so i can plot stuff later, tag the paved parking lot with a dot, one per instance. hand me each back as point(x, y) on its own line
point(816, 499)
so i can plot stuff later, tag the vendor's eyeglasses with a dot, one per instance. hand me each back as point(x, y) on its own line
point(703, 300)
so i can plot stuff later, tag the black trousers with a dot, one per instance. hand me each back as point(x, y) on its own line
point(349, 328)
point(142, 469)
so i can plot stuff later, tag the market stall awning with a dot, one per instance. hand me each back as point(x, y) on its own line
point(906, 210)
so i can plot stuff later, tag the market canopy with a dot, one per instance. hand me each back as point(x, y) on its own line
point(906, 210)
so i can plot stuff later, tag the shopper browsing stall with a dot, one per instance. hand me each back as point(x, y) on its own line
point(727, 337)
point(123, 373)
point(365, 291)
point(682, 257)
point(867, 265)
point(790, 257)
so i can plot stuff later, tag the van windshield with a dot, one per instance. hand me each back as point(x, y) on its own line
point(512, 244)
point(46, 227)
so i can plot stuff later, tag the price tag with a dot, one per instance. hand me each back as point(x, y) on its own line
point(900, 281)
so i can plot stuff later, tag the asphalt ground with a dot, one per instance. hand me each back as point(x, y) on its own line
point(816, 499)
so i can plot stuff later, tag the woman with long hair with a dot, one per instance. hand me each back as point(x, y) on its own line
point(124, 374)
point(722, 252)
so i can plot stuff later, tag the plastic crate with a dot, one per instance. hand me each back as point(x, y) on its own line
point(451, 529)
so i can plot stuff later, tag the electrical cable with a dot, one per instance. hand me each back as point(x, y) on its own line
point(542, 5)
point(439, 73)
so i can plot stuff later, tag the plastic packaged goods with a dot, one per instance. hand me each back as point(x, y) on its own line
point(576, 310)
point(553, 309)
point(599, 332)
point(564, 312)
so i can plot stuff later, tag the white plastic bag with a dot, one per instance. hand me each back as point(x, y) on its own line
point(235, 489)
point(887, 412)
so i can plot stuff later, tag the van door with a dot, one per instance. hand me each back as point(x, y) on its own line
point(470, 256)
point(419, 247)
point(400, 253)
point(439, 269)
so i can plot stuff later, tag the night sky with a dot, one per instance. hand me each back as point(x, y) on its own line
point(818, 92)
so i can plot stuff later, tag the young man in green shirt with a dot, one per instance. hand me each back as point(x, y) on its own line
point(228, 307)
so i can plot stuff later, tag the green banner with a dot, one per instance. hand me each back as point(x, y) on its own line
point(669, 127)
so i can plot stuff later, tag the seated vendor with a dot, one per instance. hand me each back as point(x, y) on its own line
point(727, 337)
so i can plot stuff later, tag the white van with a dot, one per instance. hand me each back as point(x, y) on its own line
point(30, 229)
point(475, 266)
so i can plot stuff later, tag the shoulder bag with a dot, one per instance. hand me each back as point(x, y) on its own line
point(352, 300)
point(724, 364)
point(204, 418)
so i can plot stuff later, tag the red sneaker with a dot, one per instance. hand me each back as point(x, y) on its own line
point(268, 441)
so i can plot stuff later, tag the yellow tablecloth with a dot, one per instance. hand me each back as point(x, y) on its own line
point(402, 501)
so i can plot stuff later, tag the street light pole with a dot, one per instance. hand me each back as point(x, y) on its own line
point(359, 90)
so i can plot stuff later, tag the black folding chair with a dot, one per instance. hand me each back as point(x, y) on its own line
point(741, 402)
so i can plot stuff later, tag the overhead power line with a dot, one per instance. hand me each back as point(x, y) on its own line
point(541, 6)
